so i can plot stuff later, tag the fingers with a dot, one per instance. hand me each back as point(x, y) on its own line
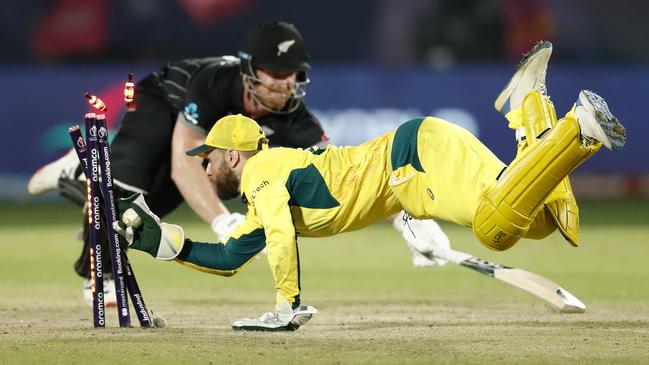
point(124, 231)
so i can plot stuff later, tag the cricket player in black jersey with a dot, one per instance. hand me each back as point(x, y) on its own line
point(175, 109)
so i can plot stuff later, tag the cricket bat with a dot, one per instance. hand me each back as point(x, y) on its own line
point(525, 280)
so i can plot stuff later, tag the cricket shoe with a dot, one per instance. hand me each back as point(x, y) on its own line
point(529, 76)
point(597, 123)
point(47, 177)
point(110, 298)
point(283, 319)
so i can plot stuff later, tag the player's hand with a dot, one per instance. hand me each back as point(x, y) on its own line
point(225, 224)
point(284, 318)
point(144, 231)
point(427, 242)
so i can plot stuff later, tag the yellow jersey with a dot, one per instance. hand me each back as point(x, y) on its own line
point(429, 167)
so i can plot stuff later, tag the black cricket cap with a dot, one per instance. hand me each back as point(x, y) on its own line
point(276, 46)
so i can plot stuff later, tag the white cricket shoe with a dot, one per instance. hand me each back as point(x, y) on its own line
point(47, 177)
point(110, 298)
point(529, 76)
point(597, 123)
point(283, 319)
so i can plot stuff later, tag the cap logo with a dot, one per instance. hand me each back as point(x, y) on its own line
point(284, 46)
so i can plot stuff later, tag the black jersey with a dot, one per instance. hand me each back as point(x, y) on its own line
point(173, 79)
point(210, 88)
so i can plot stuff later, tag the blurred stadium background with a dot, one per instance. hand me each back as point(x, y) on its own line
point(375, 64)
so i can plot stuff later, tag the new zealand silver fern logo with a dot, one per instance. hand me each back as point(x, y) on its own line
point(284, 46)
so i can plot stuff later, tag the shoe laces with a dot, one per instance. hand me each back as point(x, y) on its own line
point(268, 316)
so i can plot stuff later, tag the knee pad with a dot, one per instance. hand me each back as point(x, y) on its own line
point(507, 211)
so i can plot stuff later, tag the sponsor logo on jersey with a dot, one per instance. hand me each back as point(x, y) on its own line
point(284, 46)
point(255, 191)
point(396, 181)
point(430, 193)
point(191, 113)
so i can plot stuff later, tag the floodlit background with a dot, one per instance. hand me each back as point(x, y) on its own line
point(375, 65)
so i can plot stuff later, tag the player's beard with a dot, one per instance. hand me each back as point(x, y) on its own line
point(274, 101)
point(271, 96)
point(227, 183)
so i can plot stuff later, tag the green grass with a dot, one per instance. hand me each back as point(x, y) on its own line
point(374, 306)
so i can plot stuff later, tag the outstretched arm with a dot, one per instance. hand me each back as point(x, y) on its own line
point(225, 259)
point(144, 231)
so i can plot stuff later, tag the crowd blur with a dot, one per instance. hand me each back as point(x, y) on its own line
point(439, 33)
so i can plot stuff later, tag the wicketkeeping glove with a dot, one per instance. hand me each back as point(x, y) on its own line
point(161, 240)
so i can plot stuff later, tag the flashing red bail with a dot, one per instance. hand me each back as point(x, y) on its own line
point(129, 89)
point(95, 102)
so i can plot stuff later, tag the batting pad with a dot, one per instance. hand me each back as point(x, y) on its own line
point(540, 116)
point(509, 208)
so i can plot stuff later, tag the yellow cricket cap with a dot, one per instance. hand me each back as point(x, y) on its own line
point(232, 132)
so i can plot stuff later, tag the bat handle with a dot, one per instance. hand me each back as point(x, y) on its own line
point(455, 257)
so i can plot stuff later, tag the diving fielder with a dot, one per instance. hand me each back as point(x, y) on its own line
point(428, 167)
point(177, 106)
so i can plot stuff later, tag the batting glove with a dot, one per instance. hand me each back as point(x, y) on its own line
point(427, 243)
point(225, 224)
point(145, 232)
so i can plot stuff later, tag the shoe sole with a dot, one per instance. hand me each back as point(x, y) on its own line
point(540, 49)
point(604, 127)
point(288, 328)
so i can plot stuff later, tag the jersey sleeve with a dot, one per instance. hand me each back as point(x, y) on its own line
point(203, 101)
point(269, 199)
point(225, 259)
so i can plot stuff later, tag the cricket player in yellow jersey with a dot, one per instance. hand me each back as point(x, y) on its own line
point(428, 167)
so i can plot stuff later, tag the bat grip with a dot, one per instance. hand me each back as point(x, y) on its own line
point(455, 257)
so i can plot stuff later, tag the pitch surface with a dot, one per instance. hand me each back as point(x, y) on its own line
point(374, 306)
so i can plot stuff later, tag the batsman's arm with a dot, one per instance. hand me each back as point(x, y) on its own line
point(189, 175)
